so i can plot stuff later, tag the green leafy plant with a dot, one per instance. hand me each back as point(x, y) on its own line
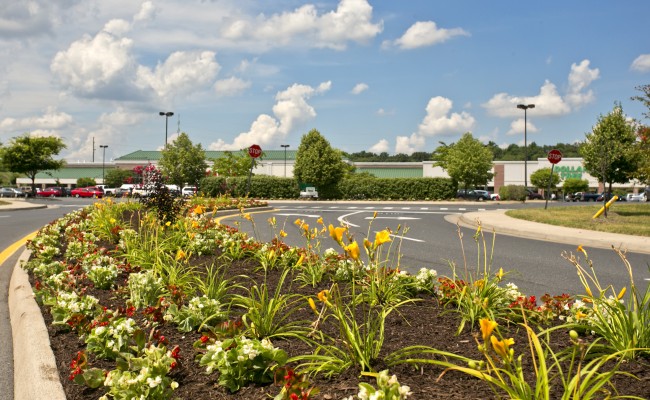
point(145, 289)
point(69, 308)
point(101, 270)
point(388, 388)
point(241, 361)
point(200, 312)
point(108, 341)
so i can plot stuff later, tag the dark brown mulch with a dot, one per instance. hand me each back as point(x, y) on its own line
point(422, 323)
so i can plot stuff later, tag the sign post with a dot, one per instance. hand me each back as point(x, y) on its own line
point(254, 151)
point(554, 156)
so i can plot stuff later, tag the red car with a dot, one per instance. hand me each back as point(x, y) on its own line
point(91, 191)
point(50, 192)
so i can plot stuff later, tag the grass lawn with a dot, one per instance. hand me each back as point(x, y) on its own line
point(629, 219)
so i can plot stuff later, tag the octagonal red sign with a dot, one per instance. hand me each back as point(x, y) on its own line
point(255, 151)
point(554, 156)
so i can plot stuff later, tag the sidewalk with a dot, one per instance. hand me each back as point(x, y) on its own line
point(16, 204)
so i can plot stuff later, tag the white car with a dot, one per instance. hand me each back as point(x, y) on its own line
point(635, 197)
point(189, 191)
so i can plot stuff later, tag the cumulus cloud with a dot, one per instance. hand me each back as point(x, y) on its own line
point(549, 102)
point(439, 121)
point(379, 147)
point(182, 73)
point(359, 88)
point(517, 127)
point(231, 86)
point(51, 120)
point(641, 63)
point(350, 22)
point(146, 13)
point(291, 110)
point(409, 144)
point(425, 33)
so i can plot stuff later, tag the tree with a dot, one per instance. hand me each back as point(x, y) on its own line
point(85, 182)
point(115, 177)
point(572, 185)
point(467, 161)
point(642, 173)
point(183, 162)
point(542, 177)
point(644, 98)
point(30, 155)
point(318, 164)
point(609, 150)
point(232, 164)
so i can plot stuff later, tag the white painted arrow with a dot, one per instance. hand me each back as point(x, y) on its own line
point(397, 218)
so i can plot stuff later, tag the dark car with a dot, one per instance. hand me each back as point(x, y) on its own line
point(7, 192)
point(532, 195)
point(478, 195)
point(90, 191)
point(51, 192)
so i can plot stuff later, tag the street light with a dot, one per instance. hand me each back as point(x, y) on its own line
point(525, 108)
point(285, 158)
point(166, 115)
point(103, 147)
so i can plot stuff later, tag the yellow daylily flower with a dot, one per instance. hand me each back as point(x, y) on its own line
point(487, 326)
point(180, 254)
point(500, 274)
point(382, 237)
point(374, 215)
point(323, 294)
point(247, 216)
point(582, 250)
point(298, 222)
point(272, 221)
point(195, 224)
point(198, 210)
point(113, 221)
point(337, 233)
point(367, 244)
point(580, 315)
point(501, 347)
point(300, 260)
point(320, 220)
point(621, 293)
point(168, 223)
point(312, 305)
point(283, 233)
point(306, 228)
point(588, 290)
point(352, 250)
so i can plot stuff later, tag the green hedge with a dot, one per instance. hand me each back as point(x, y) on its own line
point(262, 186)
point(355, 188)
point(512, 192)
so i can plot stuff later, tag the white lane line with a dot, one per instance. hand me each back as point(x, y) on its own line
point(342, 220)
point(444, 208)
point(424, 208)
point(397, 218)
point(388, 208)
point(299, 215)
point(352, 208)
point(369, 208)
point(408, 238)
point(406, 208)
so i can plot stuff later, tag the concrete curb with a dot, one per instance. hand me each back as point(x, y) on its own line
point(20, 204)
point(36, 375)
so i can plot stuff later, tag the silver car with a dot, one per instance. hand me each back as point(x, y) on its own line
point(636, 197)
point(7, 192)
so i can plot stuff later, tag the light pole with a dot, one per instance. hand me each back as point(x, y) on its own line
point(285, 158)
point(166, 115)
point(525, 108)
point(103, 147)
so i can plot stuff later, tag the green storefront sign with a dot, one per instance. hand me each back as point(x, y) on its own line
point(569, 171)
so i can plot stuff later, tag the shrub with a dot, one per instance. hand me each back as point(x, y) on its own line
point(512, 192)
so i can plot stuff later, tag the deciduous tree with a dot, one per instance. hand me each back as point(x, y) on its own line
point(541, 178)
point(233, 164)
point(183, 162)
point(115, 177)
point(467, 161)
point(318, 164)
point(30, 155)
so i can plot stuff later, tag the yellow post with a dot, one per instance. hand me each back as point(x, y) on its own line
point(602, 209)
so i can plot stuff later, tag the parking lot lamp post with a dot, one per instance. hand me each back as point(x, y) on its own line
point(166, 115)
point(525, 108)
point(285, 158)
point(103, 146)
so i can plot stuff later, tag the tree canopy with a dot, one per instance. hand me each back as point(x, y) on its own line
point(30, 155)
point(183, 162)
point(233, 164)
point(115, 177)
point(467, 161)
point(609, 151)
point(318, 164)
point(542, 177)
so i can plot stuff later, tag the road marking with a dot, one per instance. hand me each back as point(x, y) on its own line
point(300, 215)
point(408, 238)
point(388, 208)
point(397, 218)
point(406, 208)
point(424, 208)
point(9, 251)
point(369, 208)
point(4, 216)
point(444, 208)
point(342, 220)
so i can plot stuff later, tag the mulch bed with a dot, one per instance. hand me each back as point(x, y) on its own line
point(422, 323)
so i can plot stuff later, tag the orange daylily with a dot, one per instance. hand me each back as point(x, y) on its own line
point(320, 220)
point(337, 233)
point(312, 305)
point(180, 254)
point(283, 233)
point(352, 250)
point(487, 326)
point(198, 210)
point(322, 295)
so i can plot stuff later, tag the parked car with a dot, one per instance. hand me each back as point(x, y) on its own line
point(532, 195)
point(471, 194)
point(584, 196)
point(606, 196)
point(495, 196)
point(309, 192)
point(19, 192)
point(51, 192)
point(636, 196)
point(7, 192)
point(189, 191)
point(91, 191)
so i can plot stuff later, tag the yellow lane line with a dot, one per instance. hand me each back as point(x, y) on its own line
point(9, 251)
point(219, 219)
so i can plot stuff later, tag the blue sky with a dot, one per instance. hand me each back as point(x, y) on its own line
point(394, 76)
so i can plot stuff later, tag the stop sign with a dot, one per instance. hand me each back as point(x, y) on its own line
point(255, 151)
point(554, 156)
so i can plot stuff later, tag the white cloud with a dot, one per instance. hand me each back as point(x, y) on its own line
point(231, 87)
point(51, 120)
point(146, 13)
point(517, 127)
point(549, 102)
point(409, 144)
point(359, 88)
point(438, 121)
point(182, 73)
point(379, 147)
point(426, 33)
point(22, 19)
point(580, 77)
point(291, 110)
point(641, 63)
point(351, 21)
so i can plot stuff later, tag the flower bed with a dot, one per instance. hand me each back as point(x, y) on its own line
point(185, 308)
